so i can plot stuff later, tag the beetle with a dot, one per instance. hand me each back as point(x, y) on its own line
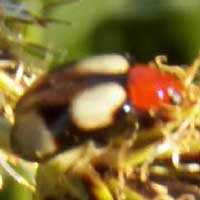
point(94, 99)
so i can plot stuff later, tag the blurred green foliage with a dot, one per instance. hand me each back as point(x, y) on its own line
point(12, 190)
point(143, 28)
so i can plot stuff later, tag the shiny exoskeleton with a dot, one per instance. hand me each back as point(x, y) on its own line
point(95, 99)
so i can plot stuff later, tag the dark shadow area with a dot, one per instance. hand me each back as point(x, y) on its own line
point(144, 38)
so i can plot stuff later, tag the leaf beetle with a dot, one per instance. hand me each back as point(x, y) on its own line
point(92, 100)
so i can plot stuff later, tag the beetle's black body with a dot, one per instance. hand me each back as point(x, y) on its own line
point(43, 123)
